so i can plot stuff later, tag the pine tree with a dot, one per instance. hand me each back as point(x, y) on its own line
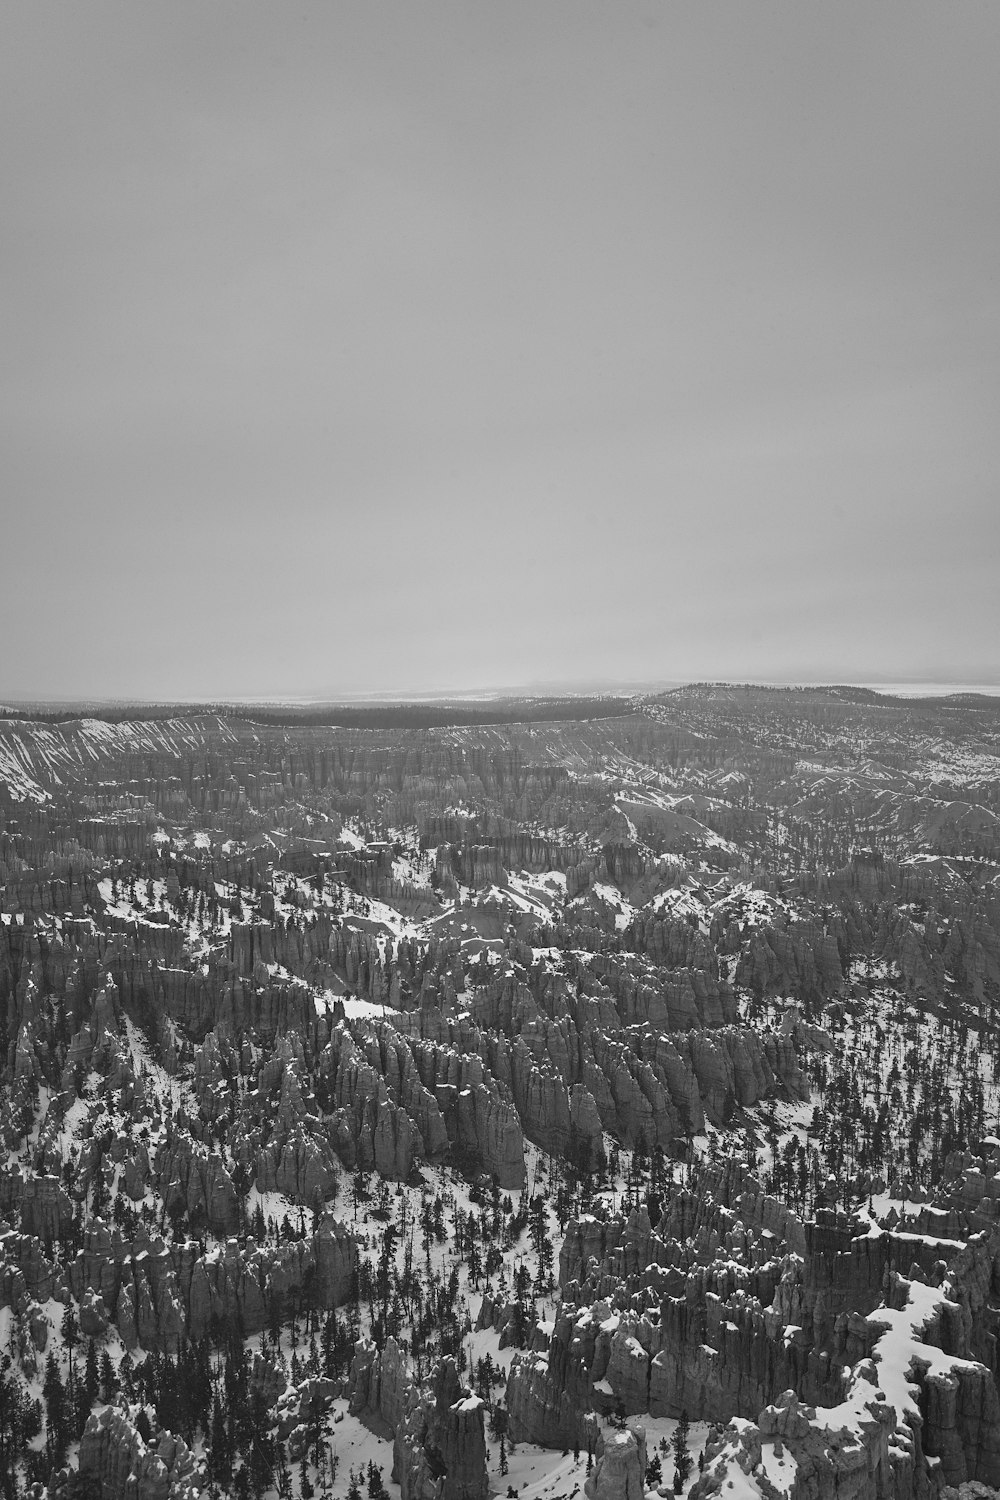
point(376, 1485)
point(88, 1389)
point(56, 1414)
point(109, 1382)
point(305, 1487)
point(70, 1330)
point(682, 1457)
point(14, 1409)
point(91, 1377)
point(220, 1457)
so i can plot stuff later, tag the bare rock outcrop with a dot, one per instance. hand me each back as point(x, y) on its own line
point(619, 1473)
point(114, 1455)
point(195, 1181)
point(440, 1445)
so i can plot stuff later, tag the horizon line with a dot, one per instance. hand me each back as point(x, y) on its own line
point(890, 686)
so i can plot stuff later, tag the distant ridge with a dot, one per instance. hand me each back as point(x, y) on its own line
point(421, 715)
point(458, 709)
point(958, 699)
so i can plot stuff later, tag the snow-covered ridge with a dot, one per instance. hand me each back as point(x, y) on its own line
point(35, 758)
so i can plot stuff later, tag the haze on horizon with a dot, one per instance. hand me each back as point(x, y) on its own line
point(368, 349)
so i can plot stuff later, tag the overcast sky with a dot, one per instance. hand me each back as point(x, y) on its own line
point(405, 346)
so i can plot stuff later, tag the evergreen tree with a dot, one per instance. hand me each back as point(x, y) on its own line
point(682, 1456)
point(91, 1376)
point(220, 1454)
point(376, 1485)
point(56, 1414)
point(70, 1330)
point(305, 1485)
point(13, 1433)
point(109, 1382)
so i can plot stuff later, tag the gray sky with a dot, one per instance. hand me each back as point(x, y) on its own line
point(398, 346)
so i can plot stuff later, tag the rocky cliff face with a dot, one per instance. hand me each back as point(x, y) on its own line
point(648, 1326)
point(438, 1430)
point(115, 1456)
point(880, 1369)
point(158, 1295)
